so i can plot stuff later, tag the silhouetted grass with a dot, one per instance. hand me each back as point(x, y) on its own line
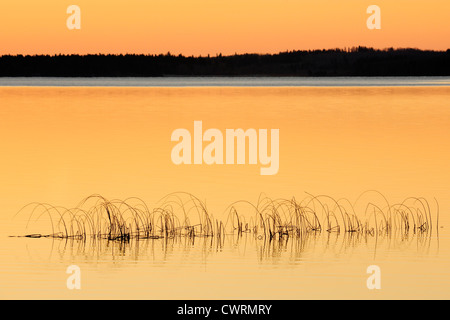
point(184, 215)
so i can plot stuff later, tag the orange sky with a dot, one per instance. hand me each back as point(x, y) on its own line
point(214, 26)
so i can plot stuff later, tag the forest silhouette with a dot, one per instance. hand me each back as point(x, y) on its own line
point(356, 61)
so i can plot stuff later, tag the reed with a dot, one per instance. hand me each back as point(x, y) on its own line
point(184, 215)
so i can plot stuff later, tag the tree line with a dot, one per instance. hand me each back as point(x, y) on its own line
point(357, 61)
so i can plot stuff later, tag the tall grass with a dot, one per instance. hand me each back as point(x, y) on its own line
point(184, 215)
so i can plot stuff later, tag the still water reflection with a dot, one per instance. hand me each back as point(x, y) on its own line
point(61, 144)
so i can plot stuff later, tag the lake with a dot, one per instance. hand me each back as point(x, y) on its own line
point(364, 158)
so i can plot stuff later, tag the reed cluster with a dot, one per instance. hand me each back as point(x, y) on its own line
point(184, 215)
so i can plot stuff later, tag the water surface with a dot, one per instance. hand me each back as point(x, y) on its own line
point(226, 81)
point(62, 144)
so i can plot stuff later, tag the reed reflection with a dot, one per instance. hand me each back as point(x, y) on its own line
point(274, 229)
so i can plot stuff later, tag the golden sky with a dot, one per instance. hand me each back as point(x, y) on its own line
point(197, 27)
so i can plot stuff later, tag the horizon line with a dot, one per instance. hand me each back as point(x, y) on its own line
point(352, 49)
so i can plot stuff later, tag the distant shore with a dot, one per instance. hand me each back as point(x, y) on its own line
point(354, 62)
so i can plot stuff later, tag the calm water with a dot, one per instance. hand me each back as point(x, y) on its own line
point(65, 140)
point(227, 82)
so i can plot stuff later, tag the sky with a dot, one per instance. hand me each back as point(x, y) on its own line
point(201, 27)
